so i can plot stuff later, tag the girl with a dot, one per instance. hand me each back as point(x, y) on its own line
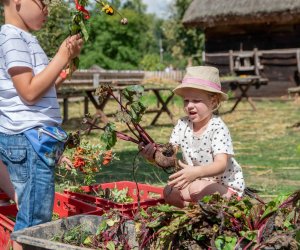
point(205, 142)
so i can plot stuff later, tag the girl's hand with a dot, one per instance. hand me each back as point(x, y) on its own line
point(184, 177)
point(147, 151)
point(71, 47)
point(63, 160)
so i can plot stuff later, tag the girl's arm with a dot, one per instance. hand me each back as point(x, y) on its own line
point(189, 173)
point(32, 87)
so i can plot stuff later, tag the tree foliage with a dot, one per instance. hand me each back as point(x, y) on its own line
point(182, 43)
point(147, 42)
point(113, 46)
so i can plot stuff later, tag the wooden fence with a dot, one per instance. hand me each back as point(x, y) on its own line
point(94, 78)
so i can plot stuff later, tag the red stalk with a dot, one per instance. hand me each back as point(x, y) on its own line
point(125, 137)
point(120, 135)
point(144, 136)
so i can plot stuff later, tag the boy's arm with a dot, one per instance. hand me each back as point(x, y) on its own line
point(64, 74)
point(32, 87)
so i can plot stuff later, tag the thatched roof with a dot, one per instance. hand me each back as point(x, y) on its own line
point(212, 13)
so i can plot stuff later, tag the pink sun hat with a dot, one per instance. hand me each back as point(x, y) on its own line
point(203, 78)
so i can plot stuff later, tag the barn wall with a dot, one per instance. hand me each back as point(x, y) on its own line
point(278, 66)
point(263, 37)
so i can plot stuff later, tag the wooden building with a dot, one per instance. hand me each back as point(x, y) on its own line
point(259, 37)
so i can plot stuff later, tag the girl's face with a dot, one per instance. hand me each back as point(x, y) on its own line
point(198, 104)
point(33, 14)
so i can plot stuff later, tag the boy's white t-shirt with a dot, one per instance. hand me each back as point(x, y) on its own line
point(21, 49)
point(201, 150)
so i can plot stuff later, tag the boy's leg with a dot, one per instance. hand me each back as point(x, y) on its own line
point(33, 180)
point(200, 188)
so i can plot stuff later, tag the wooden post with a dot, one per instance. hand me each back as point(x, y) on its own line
point(203, 58)
point(256, 62)
point(86, 105)
point(65, 111)
point(298, 60)
point(231, 62)
point(96, 80)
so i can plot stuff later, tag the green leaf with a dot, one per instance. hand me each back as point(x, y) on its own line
point(167, 208)
point(225, 242)
point(102, 227)
point(110, 222)
point(110, 245)
point(155, 223)
point(132, 93)
point(109, 137)
point(84, 31)
point(298, 236)
point(87, 241)
point(249, 235)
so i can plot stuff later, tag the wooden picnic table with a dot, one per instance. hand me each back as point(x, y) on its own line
point(88, 94)
point(243, 83)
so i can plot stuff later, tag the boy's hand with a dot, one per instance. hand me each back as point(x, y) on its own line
point(184, 177)
point(71, 46)
point(147, 151)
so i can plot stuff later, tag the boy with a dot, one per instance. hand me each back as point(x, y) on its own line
point(29, 110)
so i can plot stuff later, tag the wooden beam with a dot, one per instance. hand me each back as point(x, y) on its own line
point(231, 61)
point(298, 60)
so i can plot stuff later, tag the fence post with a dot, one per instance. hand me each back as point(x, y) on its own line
point(96, 80)
point(298, 60)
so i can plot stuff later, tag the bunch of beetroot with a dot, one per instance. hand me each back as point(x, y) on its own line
point(130, 112)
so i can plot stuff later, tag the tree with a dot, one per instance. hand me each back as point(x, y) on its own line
point(114, 46)
point(179, 41)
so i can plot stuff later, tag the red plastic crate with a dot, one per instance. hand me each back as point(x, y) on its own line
point(129, 209)
point(64, 206)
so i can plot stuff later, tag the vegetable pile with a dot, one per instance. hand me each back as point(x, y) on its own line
point(213, 223)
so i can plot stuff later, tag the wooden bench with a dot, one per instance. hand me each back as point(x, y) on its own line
point(88, 94)
point(294, 91)
point(84, 80)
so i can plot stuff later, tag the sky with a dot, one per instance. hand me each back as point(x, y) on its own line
point(160, 7)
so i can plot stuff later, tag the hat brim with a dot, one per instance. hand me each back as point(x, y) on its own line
point(179, 90)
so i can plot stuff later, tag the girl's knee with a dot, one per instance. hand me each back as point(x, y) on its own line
point(201, 188)
point(196, 190)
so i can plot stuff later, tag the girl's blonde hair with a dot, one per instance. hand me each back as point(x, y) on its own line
point(218, 99)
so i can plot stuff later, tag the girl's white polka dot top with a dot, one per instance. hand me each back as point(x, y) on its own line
point(200, 150)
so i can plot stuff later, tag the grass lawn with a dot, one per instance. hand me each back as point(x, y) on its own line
point(265, 144)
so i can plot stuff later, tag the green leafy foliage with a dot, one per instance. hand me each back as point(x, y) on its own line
point(181, 42)
point(113, 46)
point(209, 225)
point(109, 137)
point(225, 242)
point(152, 62)
point(120, 196)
